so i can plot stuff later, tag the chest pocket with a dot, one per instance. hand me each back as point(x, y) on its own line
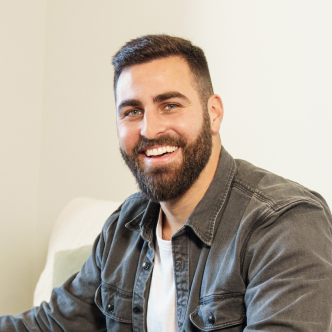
point(217, 312)
point(114, 303)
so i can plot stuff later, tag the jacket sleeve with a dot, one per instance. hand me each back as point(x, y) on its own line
point(289, 264)
point(72, 306)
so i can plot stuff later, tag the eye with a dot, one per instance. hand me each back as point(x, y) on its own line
point(133, 113)
point(171, 106)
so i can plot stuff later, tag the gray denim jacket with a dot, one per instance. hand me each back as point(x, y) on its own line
point(255, 255)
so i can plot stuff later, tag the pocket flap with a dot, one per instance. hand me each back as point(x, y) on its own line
point(219, 311)
point(114, 303)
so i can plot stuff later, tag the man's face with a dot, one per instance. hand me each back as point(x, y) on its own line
point(164, 132)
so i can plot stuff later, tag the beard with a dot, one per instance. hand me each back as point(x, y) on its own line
point(167, 182)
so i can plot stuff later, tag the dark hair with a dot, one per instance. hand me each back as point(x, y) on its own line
point(152, 47)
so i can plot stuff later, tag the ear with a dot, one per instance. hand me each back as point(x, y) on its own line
point(216, 112)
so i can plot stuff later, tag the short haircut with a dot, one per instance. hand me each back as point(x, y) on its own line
point(152, 47)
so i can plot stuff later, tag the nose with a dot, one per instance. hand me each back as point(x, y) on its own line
point(153, 124)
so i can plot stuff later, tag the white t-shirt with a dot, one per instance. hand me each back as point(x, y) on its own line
point(161, 315)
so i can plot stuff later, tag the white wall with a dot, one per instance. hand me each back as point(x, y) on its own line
point(270, 62)
point(22, 28)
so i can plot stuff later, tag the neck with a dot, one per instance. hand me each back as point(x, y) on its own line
point(177, 211)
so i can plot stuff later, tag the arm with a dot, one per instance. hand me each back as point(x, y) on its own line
point(289, 264)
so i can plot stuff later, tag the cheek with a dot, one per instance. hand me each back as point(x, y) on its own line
point(128, 136)
point(189, 127)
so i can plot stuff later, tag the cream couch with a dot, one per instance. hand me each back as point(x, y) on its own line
point(71, 242)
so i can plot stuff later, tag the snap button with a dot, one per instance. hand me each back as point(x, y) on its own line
point(211, 319)
point(146, 265)
point(110, 307)
point(137, 310)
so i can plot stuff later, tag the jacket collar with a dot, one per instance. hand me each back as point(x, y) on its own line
point(203, 219)
point(146, 215)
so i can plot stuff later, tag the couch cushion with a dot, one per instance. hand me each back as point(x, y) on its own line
point(71, 241)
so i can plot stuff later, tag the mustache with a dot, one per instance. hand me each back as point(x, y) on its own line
point(145, 143)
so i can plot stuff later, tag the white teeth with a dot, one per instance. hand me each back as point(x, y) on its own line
point(160, 150)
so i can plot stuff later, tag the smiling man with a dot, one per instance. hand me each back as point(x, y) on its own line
point(169, 135)
point(209, 243)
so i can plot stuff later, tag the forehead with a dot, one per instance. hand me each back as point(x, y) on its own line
point(155, 77)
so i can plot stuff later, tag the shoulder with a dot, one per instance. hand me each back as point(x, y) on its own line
point(285, 241)
point(280, 214)
point(271, 204)
point(271, 190)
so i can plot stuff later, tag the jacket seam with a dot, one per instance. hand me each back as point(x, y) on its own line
point(112, 218)
point(267, 200)
point(211, 298)
point(118, 291)
point(254, 193)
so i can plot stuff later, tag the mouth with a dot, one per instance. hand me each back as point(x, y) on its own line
point(159, 151)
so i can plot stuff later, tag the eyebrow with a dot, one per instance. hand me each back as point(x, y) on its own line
point(130, 102)
point(169, 95)
point(157, 99)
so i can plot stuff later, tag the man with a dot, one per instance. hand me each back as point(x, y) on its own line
point(210, 243)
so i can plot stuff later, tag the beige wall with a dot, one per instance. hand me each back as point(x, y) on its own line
point(22, 36)
point(270, 62)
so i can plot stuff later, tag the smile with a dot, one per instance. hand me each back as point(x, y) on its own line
point(161, 150)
